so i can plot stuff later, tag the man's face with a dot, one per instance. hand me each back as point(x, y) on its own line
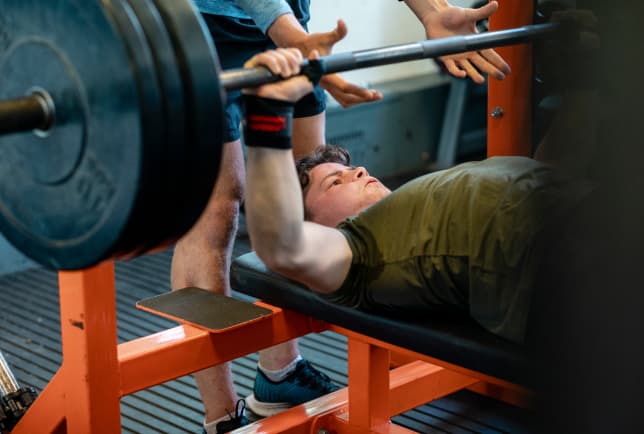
point(336, 192)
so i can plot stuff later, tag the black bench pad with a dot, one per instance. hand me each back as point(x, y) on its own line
point(458, 341)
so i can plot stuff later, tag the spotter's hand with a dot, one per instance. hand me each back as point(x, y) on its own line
point(343, 91)
point(455, 21)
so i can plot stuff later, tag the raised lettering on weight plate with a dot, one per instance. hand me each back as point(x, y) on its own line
point(95, 187)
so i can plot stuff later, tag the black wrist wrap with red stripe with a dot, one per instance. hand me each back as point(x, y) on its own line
point(268, 122)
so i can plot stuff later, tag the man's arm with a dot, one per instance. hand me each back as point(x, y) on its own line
point(442, 20)
point(276, 19)
point(314, 255)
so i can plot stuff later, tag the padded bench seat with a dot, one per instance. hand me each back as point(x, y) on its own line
point(459, 341)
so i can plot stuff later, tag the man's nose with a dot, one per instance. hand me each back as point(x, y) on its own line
point(360, 172)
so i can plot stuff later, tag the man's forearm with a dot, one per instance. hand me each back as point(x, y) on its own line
point(315, 255)
point(424, 8)
point(286, 31)
point(274, 204)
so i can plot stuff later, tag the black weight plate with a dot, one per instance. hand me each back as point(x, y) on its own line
point(166, 66)
point(141, 233)
point(65, 196)
point(168, 204)
point(204, 101)
point(143, 230)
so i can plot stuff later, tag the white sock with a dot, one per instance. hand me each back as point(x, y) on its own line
point(280, 374)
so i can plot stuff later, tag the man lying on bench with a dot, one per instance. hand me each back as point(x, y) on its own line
point(466, 239)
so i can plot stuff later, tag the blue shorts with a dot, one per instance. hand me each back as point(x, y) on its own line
point(236, 41)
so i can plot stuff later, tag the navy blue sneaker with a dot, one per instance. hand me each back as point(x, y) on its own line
point(302, 385)
point(235, 421)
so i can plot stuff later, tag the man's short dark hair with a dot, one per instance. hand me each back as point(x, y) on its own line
point(322, 154)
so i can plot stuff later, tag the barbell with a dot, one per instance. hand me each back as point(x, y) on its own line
point(111, 115)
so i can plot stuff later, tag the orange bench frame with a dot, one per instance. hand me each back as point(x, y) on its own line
point(84, 395)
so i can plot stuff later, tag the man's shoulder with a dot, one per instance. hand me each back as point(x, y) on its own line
point(465, 176)
point(502, 167)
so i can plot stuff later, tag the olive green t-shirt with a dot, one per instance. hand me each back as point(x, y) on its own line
point(465, 239)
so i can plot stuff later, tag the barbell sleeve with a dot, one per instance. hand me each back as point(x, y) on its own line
point(235, 79)
point(26, 113)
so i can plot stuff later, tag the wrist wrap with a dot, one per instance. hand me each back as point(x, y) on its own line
point(314, 70)
point(268, 122)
